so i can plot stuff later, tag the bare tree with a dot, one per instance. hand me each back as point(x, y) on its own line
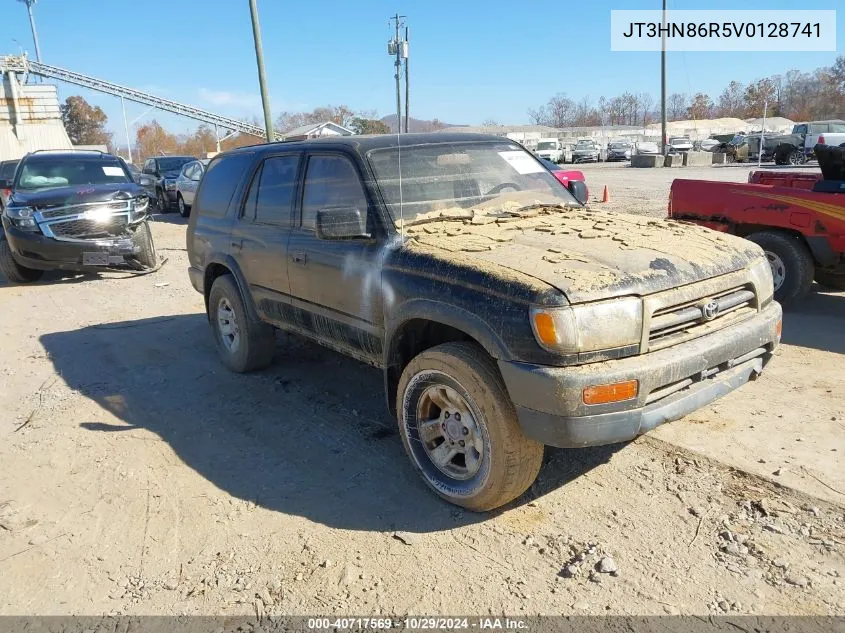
point(758, 96)
point(676, 106)
point(732, 100)
point(700, 108)
point(558, 112)
point(646, 104)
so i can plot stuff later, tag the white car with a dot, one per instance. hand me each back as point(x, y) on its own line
point(680, 144)
point(647, 147)
point(709, 144)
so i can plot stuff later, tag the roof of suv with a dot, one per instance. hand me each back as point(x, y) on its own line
point(367, 142)
point(69, 154)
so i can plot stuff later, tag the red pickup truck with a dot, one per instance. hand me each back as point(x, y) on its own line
point(797, 218)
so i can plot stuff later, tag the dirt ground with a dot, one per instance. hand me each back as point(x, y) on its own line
point(138, 476)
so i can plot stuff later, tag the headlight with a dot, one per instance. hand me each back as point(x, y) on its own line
point(21, 218)
point(590, 327)
point(761, 276)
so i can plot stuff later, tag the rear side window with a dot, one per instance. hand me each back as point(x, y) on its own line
point(818, 128)
point(217, 187)
point(276, 185)
point(837, 128)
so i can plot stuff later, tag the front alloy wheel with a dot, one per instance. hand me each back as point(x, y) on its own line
point(460, 428)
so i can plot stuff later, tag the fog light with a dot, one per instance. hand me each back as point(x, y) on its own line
point(615, 392)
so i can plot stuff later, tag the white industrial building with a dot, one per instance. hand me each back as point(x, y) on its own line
point(30, 118)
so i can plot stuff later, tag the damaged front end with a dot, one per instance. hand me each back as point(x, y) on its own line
point(83, 235)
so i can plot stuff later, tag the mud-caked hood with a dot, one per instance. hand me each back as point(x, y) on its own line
point(78, 194)
point(590, 255)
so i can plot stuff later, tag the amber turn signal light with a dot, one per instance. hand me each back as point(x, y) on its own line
point(544, 324)
point(779, 328)
point(615, 392)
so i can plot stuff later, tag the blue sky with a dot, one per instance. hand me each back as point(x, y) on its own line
point(470, 60)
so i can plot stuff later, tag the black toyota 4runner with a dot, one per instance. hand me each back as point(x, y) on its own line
point(504, 314)
point(74, 210)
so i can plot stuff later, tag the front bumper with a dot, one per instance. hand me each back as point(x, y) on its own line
point(36, 251)
point(673, 382)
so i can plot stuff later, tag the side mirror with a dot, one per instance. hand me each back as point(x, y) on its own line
point(578, 189)
point(341, 223)
point(4, 184)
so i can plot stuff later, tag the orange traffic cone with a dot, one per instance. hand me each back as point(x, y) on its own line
point(605, 197)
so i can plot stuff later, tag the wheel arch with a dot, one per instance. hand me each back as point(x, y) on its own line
point(226, 265)
point(423, 324)
point(819, 246)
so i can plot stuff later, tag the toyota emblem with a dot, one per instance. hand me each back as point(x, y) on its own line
point(710, 310)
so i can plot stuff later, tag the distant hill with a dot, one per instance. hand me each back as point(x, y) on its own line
point(416, 125)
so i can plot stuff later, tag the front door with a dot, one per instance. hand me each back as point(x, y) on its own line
point(260, 236)
point(336, 284)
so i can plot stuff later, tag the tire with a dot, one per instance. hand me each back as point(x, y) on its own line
point(161, 201)
point(796, 157)
point(13, 271)
point(791, 262)
point(143, 241)
point(832, 280)
point(184, 209)
point(252, 343)
point(463, 378)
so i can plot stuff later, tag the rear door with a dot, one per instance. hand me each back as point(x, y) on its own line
point(336, 284)
point(188, 181)
point(261, 232)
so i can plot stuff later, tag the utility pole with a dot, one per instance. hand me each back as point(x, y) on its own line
point(663, 83)
point(29, 4)
point(398, 49)
point(407, 80)
point(262, 81)
point(763, 132)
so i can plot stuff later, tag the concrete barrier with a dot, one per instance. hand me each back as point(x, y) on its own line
point(673, 160)
point(646, 160)
point(719, 158)
point(693, 159)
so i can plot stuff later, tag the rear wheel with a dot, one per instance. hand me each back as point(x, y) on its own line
point(460, 429)
point(13, 271)
point(244, 344)
point(796, 157)
point(791, 262)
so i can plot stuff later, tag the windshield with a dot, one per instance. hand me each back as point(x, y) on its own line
point(172, 164)
point(44, 173)
point(468, 179)
point(619, 145)
point(584, 145)
point(547, 145)
point(738, 140)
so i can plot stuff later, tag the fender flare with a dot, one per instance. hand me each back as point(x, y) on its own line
point(447, 314)
point(229, 262)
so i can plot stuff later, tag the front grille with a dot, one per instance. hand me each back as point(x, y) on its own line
point(675, 324)
point(74, 209)
point(77, 229)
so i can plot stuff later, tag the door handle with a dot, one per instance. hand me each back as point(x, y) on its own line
point(239, 244)
point(299, 257)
